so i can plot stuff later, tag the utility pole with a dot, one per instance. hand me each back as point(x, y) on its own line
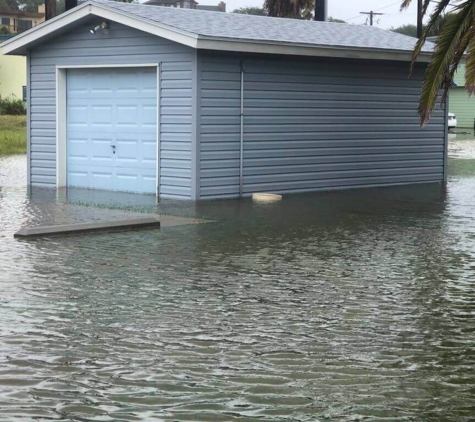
point(371, 16)
point(321, 10)
point(50, 9)
point(419, 18)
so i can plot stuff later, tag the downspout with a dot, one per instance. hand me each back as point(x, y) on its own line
point(241, 149)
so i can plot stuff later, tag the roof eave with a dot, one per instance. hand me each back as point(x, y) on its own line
point(265, 47)
point(18, 45)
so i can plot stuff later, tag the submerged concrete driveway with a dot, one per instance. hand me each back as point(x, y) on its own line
point(66, 212)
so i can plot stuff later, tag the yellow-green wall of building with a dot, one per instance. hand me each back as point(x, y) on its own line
point(12, 75)
point(460, 103)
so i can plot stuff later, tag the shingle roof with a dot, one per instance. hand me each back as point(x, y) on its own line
point(241, 27)
point(204, 30)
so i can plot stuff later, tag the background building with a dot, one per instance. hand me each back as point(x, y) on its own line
point(188, 4)
point(17, 21)
point(460, 103)
point(12, 74)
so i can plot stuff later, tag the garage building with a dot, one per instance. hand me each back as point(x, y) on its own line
point(196, 105)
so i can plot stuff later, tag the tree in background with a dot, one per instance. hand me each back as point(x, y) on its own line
point(456, 39)
point(294, 9)
point(9, 5)
point(257, 11)
point(29, 5)
point(411, 30)
point(330, 19)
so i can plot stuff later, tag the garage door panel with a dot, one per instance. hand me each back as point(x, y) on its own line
point(111, 129)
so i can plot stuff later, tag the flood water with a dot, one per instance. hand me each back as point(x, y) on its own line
point(344, 306)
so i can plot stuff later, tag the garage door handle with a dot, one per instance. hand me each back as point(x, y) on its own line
point(113, 149)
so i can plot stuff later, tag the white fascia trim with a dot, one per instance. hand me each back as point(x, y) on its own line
point(154, 28)
point(18, 44)
point(265, 47)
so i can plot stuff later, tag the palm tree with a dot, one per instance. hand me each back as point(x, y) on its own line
point(457, 37)
point(294, 9)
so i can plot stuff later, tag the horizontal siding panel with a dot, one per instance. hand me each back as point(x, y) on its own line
point(69, 42)
point(175, 111)
point(304, 136)
point(176, 128)
point(301, 177)
point(43, 102)
point(177, 173)
point(176, 84)
point(112, 50)
point(47, 156)
point(175, 181)
point(105, 59)
point(40, 179)
point(175, 164)
point(328, 80)
point(284, 170)
point(328, 119)
point(334, 96)
point(38, 163)
point(175, 137)
point(305, 128)
point(175, 93)
point(175, 146)
point(45, 171)
point(288, 88)
point(329, 103)
point(176, 155)
point(331, 184)
point(314, 125)
point(336, 68)
point(250, 146)
point(44, 148)
point(263, 163)
point(176, 119)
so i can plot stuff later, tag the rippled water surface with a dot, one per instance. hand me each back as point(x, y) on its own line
point(334, 307)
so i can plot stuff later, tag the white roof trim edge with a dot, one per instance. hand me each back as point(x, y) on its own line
point(289, 49)
point(18, 44)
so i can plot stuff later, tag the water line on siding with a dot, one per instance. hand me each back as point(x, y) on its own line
point(241, 150)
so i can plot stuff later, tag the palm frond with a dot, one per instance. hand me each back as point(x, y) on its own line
point(441, 6)
point(406, 3)
point(447, 46)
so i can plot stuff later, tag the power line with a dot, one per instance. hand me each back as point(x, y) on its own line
point(377, 10)
point(371, 15)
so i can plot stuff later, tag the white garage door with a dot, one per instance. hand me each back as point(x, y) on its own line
point(112, 129)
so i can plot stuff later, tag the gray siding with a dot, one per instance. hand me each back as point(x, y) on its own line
point(314, 125)
point(122, 45)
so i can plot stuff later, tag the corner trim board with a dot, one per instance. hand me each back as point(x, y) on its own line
point(195, 126)
point(61, 125)
point(28, 117)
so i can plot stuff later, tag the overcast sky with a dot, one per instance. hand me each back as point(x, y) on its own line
point(349, 10)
